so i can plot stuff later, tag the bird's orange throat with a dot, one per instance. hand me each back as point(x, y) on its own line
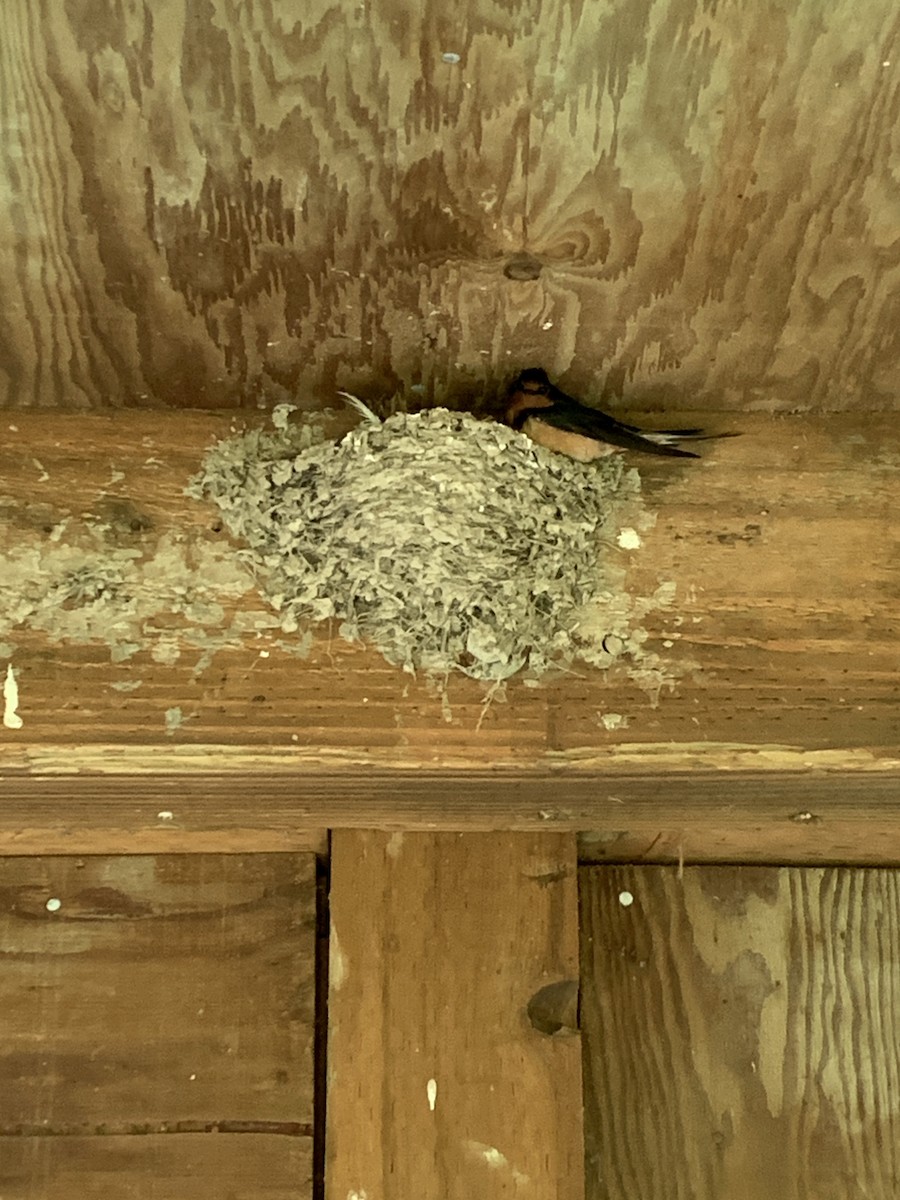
point(575, 445)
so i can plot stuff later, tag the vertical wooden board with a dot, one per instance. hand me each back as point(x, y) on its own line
point(179, 1167)
point(438, 1085)
point(741, 1033)
point(156, 994)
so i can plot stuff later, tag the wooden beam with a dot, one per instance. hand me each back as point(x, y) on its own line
point(780, 651)
point(782, 549)
point(158, 1022)
point(439, 1084)
point(740, 1032)
point(775, 816)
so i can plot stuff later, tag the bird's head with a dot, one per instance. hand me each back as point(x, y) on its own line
point(534, 380)
point(530, 390)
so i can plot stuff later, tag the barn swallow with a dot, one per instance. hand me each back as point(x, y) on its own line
point(562, 423)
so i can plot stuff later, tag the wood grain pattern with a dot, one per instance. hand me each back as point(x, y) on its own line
point(782, 546)
point(781, 644)
point(740, 1033)
point(654, 814)
point(170, 1167)
point(208, 204)
point(157, 1018)
point(438, 943)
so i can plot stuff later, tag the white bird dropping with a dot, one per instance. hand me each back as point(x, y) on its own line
point(11, 718)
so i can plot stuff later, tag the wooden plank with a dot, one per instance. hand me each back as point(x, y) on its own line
point(863, 834)
point(780, 646)
point(439, 1086)
point(811, 815)
point(740, 1033)
point(130, 826)
point(169, 1167)
point(420, 198)
point(153, 1010)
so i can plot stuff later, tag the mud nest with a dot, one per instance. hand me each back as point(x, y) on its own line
point(449, 543)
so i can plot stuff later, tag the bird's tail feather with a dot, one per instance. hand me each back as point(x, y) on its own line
point(363, 409)
point(667, 437)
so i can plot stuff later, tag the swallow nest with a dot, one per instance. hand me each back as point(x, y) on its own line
point(449, 543)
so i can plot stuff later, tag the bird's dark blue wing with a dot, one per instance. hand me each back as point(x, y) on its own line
point(569, 414)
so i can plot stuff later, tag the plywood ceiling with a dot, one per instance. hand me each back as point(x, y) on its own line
point(667, 204)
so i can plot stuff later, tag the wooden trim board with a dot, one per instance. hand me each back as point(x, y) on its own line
point(158, 1027)
point(791, 816)
point(439, 1085)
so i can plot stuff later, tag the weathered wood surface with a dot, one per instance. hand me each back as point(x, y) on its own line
point(780, 645)
point(214, 205)
point(740, 1030)
point(661, 815)
point(169, 1167)
point(157, 1022)
point(439, 1085)
point(782, 545)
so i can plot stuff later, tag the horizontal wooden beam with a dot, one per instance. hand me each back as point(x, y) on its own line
point(775, 694)
point(784, 816)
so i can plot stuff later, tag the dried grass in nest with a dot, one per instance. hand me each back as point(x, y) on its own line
point(449, 543)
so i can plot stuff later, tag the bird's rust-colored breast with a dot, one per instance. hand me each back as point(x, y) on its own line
point(575, 445)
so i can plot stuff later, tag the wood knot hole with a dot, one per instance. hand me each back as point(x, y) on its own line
point(522, 267)
point(556, 1008)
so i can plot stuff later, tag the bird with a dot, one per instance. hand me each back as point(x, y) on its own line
point(558, 421)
